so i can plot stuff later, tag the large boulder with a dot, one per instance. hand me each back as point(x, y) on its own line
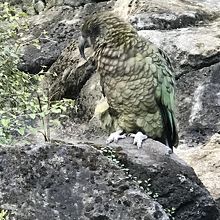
point(88, 180)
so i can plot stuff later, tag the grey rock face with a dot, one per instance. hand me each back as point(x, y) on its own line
point(53, 33)
point(205, 161)
point(34, 59)
point(88, 103)
point(157, 14)
point(76, 181)
point(39, 6)
point(199, 104)
point(169, 20)
point(72, 3)
point(174, 182)
point(70, 182)
point(189, 48)
point(55, 28)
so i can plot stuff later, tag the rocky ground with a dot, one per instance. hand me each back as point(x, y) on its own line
point(188, 30)
point(81, 178)
point(76, 182)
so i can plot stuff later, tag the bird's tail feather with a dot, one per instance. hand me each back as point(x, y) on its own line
point(170, 136)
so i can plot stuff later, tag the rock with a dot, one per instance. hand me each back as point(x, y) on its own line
point(69, 74)
point(39, 6)
point(89, 96)
point(26, 6)
point(54, 29)
point(198, 104)
point(169, 177)
point(205, 160)
point(145, 21)
point(189, 48)
point(146, 14)
point(52, 34)
point(70, 182)
point(76, 181)
point(36, 59)
point(72, 3)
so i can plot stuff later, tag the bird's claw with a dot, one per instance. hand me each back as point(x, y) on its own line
point(115, 136)
point(138, 139)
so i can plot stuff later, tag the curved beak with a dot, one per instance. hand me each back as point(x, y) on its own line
point(82, 44)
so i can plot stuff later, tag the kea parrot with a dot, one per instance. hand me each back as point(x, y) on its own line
point(136, 79)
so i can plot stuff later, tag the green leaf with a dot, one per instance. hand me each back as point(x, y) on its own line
point(5, 122)
point(32, 130)
point(42, 114)
point(3, 214)
point(21, 131)
point(63, 108)
point(55, 122)
point(56, 111)
point(32, 116)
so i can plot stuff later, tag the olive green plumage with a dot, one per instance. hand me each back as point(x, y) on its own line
point(136, 78)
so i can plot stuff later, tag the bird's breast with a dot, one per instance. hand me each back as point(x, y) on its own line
point(127, 80)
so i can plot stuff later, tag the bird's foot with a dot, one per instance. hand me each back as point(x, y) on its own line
point(138, 138)
point(115, 136)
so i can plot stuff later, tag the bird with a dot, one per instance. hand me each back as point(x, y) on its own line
point(137, 81)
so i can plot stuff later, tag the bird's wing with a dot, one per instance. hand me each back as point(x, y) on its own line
point(164, 89)
point(165, 96)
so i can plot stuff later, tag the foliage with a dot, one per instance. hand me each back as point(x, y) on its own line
point(22, 100)
point(170, 212)
point(3, 214)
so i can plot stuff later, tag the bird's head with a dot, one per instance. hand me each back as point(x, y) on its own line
point(92, 32)
point(103, 28)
